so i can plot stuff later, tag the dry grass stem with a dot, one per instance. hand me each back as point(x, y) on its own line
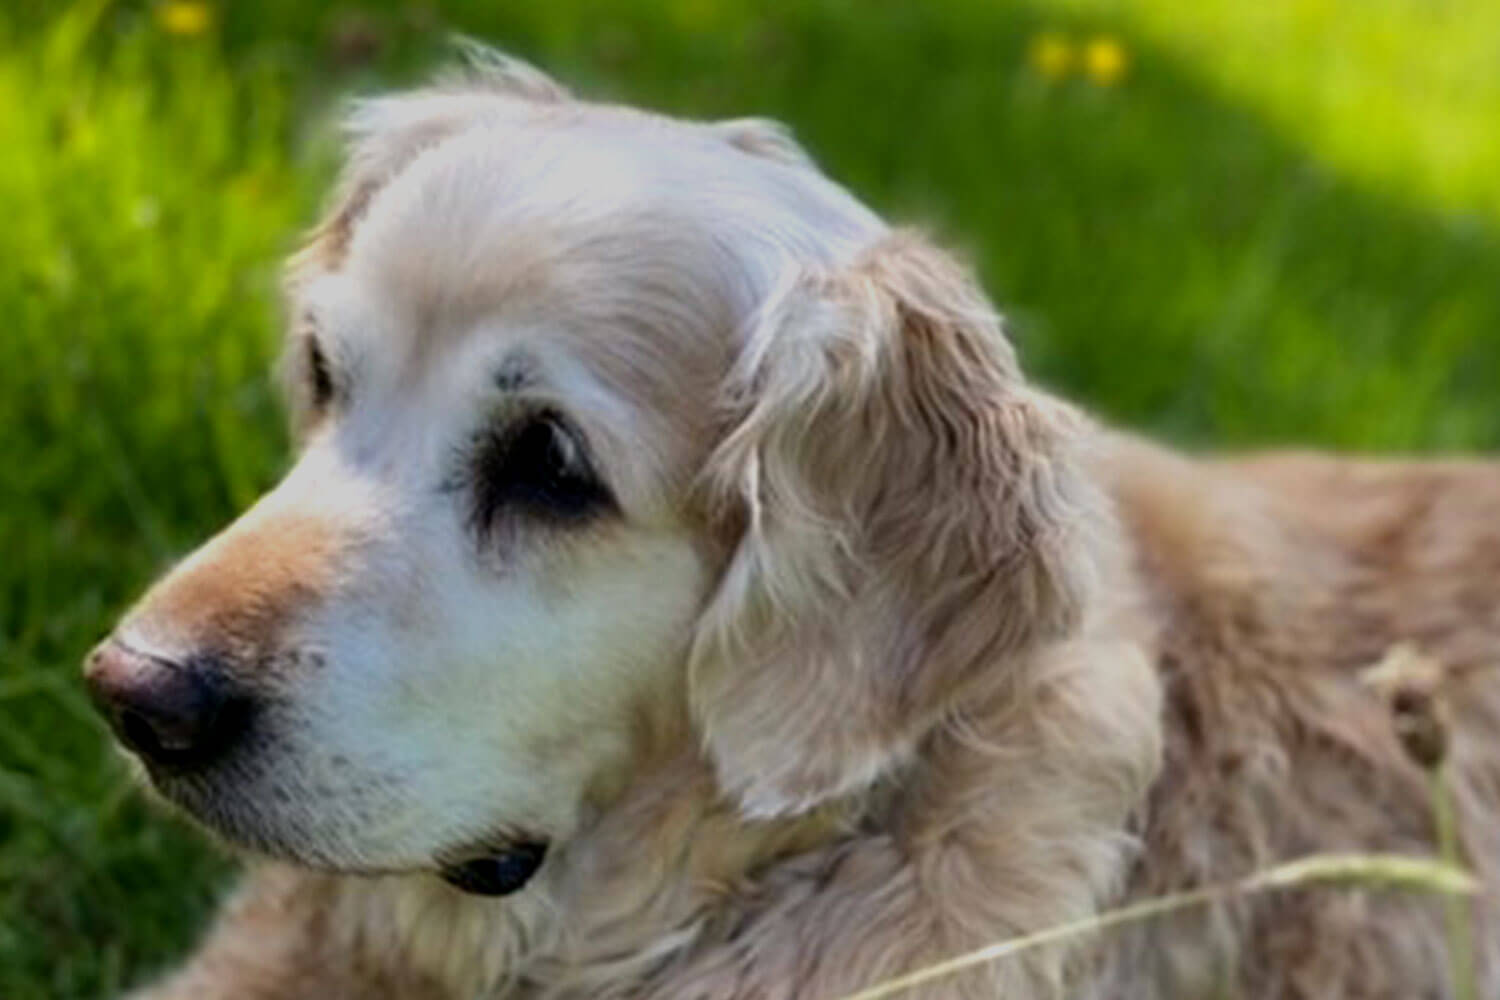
point(1370, 871)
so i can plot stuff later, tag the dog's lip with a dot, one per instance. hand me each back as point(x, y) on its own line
point(497, 873)
point(489, 868)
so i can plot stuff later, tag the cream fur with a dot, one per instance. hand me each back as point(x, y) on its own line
point(887, 654)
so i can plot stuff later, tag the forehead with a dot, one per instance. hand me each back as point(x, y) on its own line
point(624, 248)
point(459, 205)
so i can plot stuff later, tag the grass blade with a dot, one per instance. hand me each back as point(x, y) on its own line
point(1382, 871)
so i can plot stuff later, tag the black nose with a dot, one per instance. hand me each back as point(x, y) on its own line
point(178, 715)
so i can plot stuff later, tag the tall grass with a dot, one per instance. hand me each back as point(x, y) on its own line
point(147, 192)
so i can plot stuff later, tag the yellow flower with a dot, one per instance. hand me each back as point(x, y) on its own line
point(1106, 61)
point(184, 17)
point(1052, 55)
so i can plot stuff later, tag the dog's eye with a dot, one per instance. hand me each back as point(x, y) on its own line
point(538, 466)
point(319, 375)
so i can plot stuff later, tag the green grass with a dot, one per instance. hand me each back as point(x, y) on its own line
point(1281, 225)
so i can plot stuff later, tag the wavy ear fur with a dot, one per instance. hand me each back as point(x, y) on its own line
point(912, 525)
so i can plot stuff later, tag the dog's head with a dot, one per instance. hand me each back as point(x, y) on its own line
point(603, 415)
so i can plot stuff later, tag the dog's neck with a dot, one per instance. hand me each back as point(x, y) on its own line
point(655, 865)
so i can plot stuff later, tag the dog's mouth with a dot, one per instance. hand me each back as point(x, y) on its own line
point(498, 874)
point(489, 871)
point(496, 866)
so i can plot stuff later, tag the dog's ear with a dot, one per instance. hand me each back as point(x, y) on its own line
point(910, 519)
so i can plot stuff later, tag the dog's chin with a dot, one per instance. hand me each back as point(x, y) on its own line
point(495, 866)
point(267, 827)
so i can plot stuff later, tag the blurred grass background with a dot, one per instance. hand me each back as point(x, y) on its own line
point(1227, 223)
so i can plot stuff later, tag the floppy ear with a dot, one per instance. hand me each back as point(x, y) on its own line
point(912, 523)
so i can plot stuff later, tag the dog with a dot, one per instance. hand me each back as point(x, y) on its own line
point(681, 593)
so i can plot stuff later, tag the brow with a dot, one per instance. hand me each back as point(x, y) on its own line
point(515, 373)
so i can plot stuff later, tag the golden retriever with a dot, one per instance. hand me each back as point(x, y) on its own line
point(681, 593)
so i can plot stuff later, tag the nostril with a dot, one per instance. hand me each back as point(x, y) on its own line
point(135, 732)
point(171, 714)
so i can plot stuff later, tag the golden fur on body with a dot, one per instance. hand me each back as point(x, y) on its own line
point(962, 665)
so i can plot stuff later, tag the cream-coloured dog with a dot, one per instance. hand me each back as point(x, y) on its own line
point(679, 553)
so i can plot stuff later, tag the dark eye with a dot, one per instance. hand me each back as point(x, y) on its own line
point(537, 466)
point(319, 375)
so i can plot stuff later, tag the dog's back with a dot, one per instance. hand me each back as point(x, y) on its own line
point(1277, 584)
